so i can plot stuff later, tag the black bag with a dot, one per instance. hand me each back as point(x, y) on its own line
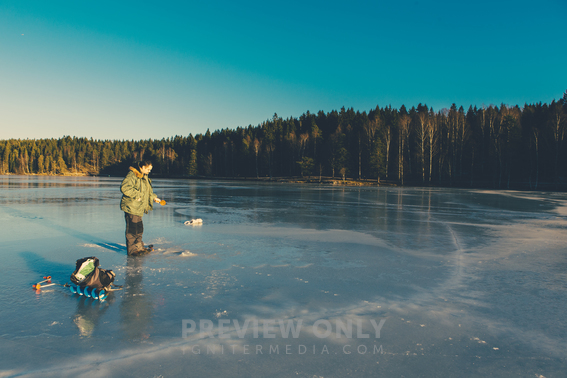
point(88, 274)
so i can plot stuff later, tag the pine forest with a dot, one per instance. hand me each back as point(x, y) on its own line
point(494, 146)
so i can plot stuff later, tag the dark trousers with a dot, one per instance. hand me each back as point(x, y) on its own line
point(134, 231)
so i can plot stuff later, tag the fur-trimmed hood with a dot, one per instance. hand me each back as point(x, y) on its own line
point(136, 172)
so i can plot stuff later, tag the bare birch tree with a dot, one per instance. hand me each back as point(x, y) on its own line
point(432, 136)
point(557, 122)
point(421, 131)
point(403, 134)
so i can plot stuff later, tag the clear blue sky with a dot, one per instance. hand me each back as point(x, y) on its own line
point(147, 69)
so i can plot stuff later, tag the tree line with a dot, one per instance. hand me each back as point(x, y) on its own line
point(494, 146)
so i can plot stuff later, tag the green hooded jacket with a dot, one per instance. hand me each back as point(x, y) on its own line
point(137, 193)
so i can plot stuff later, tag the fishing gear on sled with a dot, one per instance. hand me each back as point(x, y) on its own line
point(88, 279)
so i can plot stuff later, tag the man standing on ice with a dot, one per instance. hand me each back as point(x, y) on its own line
point(137, 200)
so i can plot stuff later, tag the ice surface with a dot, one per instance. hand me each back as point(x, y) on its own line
point(469, 283)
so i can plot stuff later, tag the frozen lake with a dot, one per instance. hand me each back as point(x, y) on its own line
point(285, 280)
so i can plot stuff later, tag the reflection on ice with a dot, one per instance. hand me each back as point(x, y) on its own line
point(468, 282)
point(136, 306)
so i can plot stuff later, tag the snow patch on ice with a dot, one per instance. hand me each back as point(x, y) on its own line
point(561, 208)
point(90, 245)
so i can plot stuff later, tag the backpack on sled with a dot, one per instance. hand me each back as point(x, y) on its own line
point(91, 280)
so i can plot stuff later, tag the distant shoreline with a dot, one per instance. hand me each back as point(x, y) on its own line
point(290, 180)
point(329, 181)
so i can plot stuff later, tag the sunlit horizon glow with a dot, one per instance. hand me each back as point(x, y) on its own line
point(135, 70)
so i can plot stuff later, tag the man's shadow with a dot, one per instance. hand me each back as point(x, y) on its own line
point(69, 231)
